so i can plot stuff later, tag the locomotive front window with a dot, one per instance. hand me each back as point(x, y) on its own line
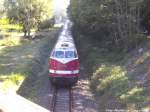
point(70, 54)
point(59, 54)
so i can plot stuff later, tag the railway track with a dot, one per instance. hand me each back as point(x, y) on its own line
point(62, 100)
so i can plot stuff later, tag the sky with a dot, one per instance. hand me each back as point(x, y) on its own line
point(1, 4)
point(60, 6)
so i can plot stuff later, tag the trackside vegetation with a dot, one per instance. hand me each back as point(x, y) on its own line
point(6, 26)
point(21, 60)
point(118, 81)
point(15, 57)
point(26, 37)
point(114, 51)
point(29, 14)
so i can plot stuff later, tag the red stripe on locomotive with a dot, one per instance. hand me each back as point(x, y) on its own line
point(56, 65)
point(69, 67)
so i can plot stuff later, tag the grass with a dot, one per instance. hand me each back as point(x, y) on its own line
point(11, 27)
point(16, 55)
point(115, 80)
point(11, 81)
point(22, 60)
point(10, 41)
point(37, 76)
point(119, 80)
point(4, 21)
point(6, 26)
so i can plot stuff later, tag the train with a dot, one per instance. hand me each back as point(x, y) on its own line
point(64, 62)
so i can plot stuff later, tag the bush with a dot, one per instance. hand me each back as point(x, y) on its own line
point(11, 81)
point(112, 79)
point(46, 24)
point(4, 21)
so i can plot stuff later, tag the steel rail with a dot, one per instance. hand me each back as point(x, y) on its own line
point(53, 103)
point(70, 99)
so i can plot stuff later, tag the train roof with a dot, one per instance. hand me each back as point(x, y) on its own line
point(64, 45)
point(65, 39)
point(65, 36)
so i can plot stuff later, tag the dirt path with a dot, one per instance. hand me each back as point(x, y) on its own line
point(83, 98)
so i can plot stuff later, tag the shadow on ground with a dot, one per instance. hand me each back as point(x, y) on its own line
point(36, 86)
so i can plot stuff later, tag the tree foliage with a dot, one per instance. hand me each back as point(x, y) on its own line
point(29, 13)
point(1, 8)
point(114, 22)
point(145, 16)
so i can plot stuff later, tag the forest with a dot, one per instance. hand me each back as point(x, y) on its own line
point(113, 41)
point(116, 23)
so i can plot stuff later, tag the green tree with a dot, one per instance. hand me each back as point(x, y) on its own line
point(113, 22)
point(29, 13)
point(1, 8)
point(145, 16)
